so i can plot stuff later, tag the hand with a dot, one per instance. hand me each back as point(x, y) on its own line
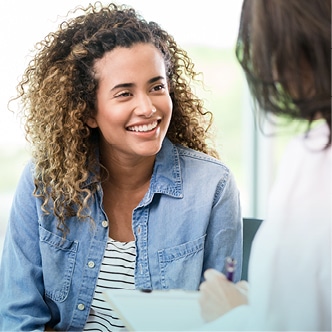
point(218, 295)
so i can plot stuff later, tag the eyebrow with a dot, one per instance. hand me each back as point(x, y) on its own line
point(129, 85)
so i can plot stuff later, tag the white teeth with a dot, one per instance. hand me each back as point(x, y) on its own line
point(144, 128)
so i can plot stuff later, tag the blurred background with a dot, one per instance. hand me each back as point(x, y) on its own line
point(207, 30)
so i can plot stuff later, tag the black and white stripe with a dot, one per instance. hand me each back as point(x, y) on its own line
point(117, 272)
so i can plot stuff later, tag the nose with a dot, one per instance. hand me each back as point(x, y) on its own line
point(153, 110)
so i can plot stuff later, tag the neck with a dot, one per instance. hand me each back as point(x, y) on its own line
point(129, 174)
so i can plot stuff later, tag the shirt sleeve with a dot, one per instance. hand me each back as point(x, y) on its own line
point(22, 306)
point(224, 233)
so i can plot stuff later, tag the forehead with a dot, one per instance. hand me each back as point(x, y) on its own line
point(127, 63)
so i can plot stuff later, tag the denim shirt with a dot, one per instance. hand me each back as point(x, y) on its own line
point(189, 220)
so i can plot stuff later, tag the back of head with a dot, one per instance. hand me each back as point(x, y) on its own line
point(284, 49)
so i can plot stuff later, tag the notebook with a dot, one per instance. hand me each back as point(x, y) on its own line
point(158, 310)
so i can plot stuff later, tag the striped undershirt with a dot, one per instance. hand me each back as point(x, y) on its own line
point(117, 272)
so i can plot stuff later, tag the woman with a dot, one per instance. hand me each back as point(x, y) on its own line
point(284, 49)
point(123, 190)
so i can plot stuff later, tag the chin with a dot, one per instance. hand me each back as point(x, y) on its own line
point(150, 149)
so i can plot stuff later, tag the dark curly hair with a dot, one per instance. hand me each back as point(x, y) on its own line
point(284, 47)
point(58, 95)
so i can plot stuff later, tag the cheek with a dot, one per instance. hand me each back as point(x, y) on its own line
point(111, 120)
point(108, 115)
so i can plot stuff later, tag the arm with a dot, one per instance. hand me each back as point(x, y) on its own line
point(22, 306)
point(224, 233)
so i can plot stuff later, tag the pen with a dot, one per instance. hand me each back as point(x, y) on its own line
point(230, 268)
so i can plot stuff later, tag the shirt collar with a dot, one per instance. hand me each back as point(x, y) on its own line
point(166, 177)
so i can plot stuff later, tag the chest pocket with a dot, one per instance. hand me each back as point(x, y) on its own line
point(181, 266)
point(58, 260)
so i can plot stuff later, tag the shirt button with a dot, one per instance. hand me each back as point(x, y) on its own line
point(139, 230)
point(104, 223)
point(81, 306)
point(91, 264)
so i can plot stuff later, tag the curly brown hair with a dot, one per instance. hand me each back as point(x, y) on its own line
point(58, 95)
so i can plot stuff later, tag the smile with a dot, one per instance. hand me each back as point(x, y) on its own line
point(144, 128)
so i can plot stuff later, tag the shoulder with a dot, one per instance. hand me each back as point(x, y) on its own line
point(209, 171)
point(198, 157)
point(192, 164)
point(307, 152)
point(26, 181)
point(313, 141)
point(28, 172)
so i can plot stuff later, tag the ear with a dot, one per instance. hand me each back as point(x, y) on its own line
point(92, 123)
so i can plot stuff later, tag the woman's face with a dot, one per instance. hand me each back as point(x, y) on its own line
point(133, 108)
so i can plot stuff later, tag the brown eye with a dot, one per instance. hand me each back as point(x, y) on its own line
point(123, 94)
point(159, 87)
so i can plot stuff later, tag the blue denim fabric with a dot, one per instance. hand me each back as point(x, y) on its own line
point(188, 221)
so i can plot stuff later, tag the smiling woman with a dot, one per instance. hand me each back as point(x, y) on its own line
point(112, 197)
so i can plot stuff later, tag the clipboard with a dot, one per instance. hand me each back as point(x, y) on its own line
point(157, 310)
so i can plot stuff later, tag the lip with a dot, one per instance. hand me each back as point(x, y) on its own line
point(144, 127)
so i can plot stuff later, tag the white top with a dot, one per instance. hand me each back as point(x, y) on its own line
point(117, 272)
point(290, 265)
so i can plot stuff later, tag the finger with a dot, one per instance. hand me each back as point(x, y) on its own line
point(243, 285)
point(210, 274)
point(202, 286)
point(208, 288)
